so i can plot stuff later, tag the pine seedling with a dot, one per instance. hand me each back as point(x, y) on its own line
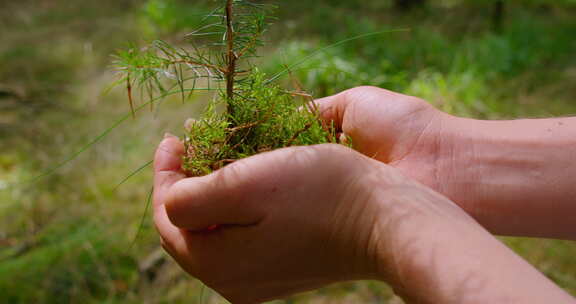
point(251, 114)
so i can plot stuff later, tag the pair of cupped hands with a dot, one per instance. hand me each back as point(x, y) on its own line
point(299, 218)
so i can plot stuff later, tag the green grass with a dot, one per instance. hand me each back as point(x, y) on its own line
point(88, 263)
point(67, 237)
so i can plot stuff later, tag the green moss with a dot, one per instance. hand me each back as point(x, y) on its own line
point(265, 118)
point(258, 114)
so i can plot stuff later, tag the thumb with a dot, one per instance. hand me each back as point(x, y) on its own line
point(363, 104)
point(235, 195)
point(167, 167)
point(332, 109)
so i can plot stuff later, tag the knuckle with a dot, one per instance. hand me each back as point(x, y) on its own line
point(335, 156)
point(175, 196)
point(179, 201)
point(334, 149)
point(364, 88)
point(232, 179)
point(416, 101)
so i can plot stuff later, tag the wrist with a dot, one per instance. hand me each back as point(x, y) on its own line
point(422, 228)
point(416, 260)
point(411, 216)
point(440, 255)
point(520, 170)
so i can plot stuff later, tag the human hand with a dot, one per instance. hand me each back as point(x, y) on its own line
point(403, 131)
point(495, 170)
point(290, 220)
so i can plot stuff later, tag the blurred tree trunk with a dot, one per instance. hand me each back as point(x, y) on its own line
point(498, 13)
point(407, 5)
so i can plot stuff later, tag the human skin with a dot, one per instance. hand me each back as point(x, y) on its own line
point(300, 218)
point(514, 177)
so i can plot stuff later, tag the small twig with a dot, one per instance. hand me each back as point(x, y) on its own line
point(249, 45)
point(297, 134)
point(299, 94)
point(246, 126)
point(233, 131)
point(231, 60)
point(313, 107)
point(130, 100)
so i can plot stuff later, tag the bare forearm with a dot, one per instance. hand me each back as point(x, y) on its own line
point(516, 177)
point(459, 262)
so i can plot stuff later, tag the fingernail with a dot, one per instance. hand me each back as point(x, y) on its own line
point(169, 135)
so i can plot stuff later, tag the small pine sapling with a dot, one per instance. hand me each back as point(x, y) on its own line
point(252, 114)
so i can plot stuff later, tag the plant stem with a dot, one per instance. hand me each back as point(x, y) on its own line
point(231, 62)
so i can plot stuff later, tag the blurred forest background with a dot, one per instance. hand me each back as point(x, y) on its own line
point(73, 236)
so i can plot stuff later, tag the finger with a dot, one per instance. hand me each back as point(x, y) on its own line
point(332, 109)
point(234, 195)
point(167, 167)
point(172, 237)
point(167, 171)
point(216, 200)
